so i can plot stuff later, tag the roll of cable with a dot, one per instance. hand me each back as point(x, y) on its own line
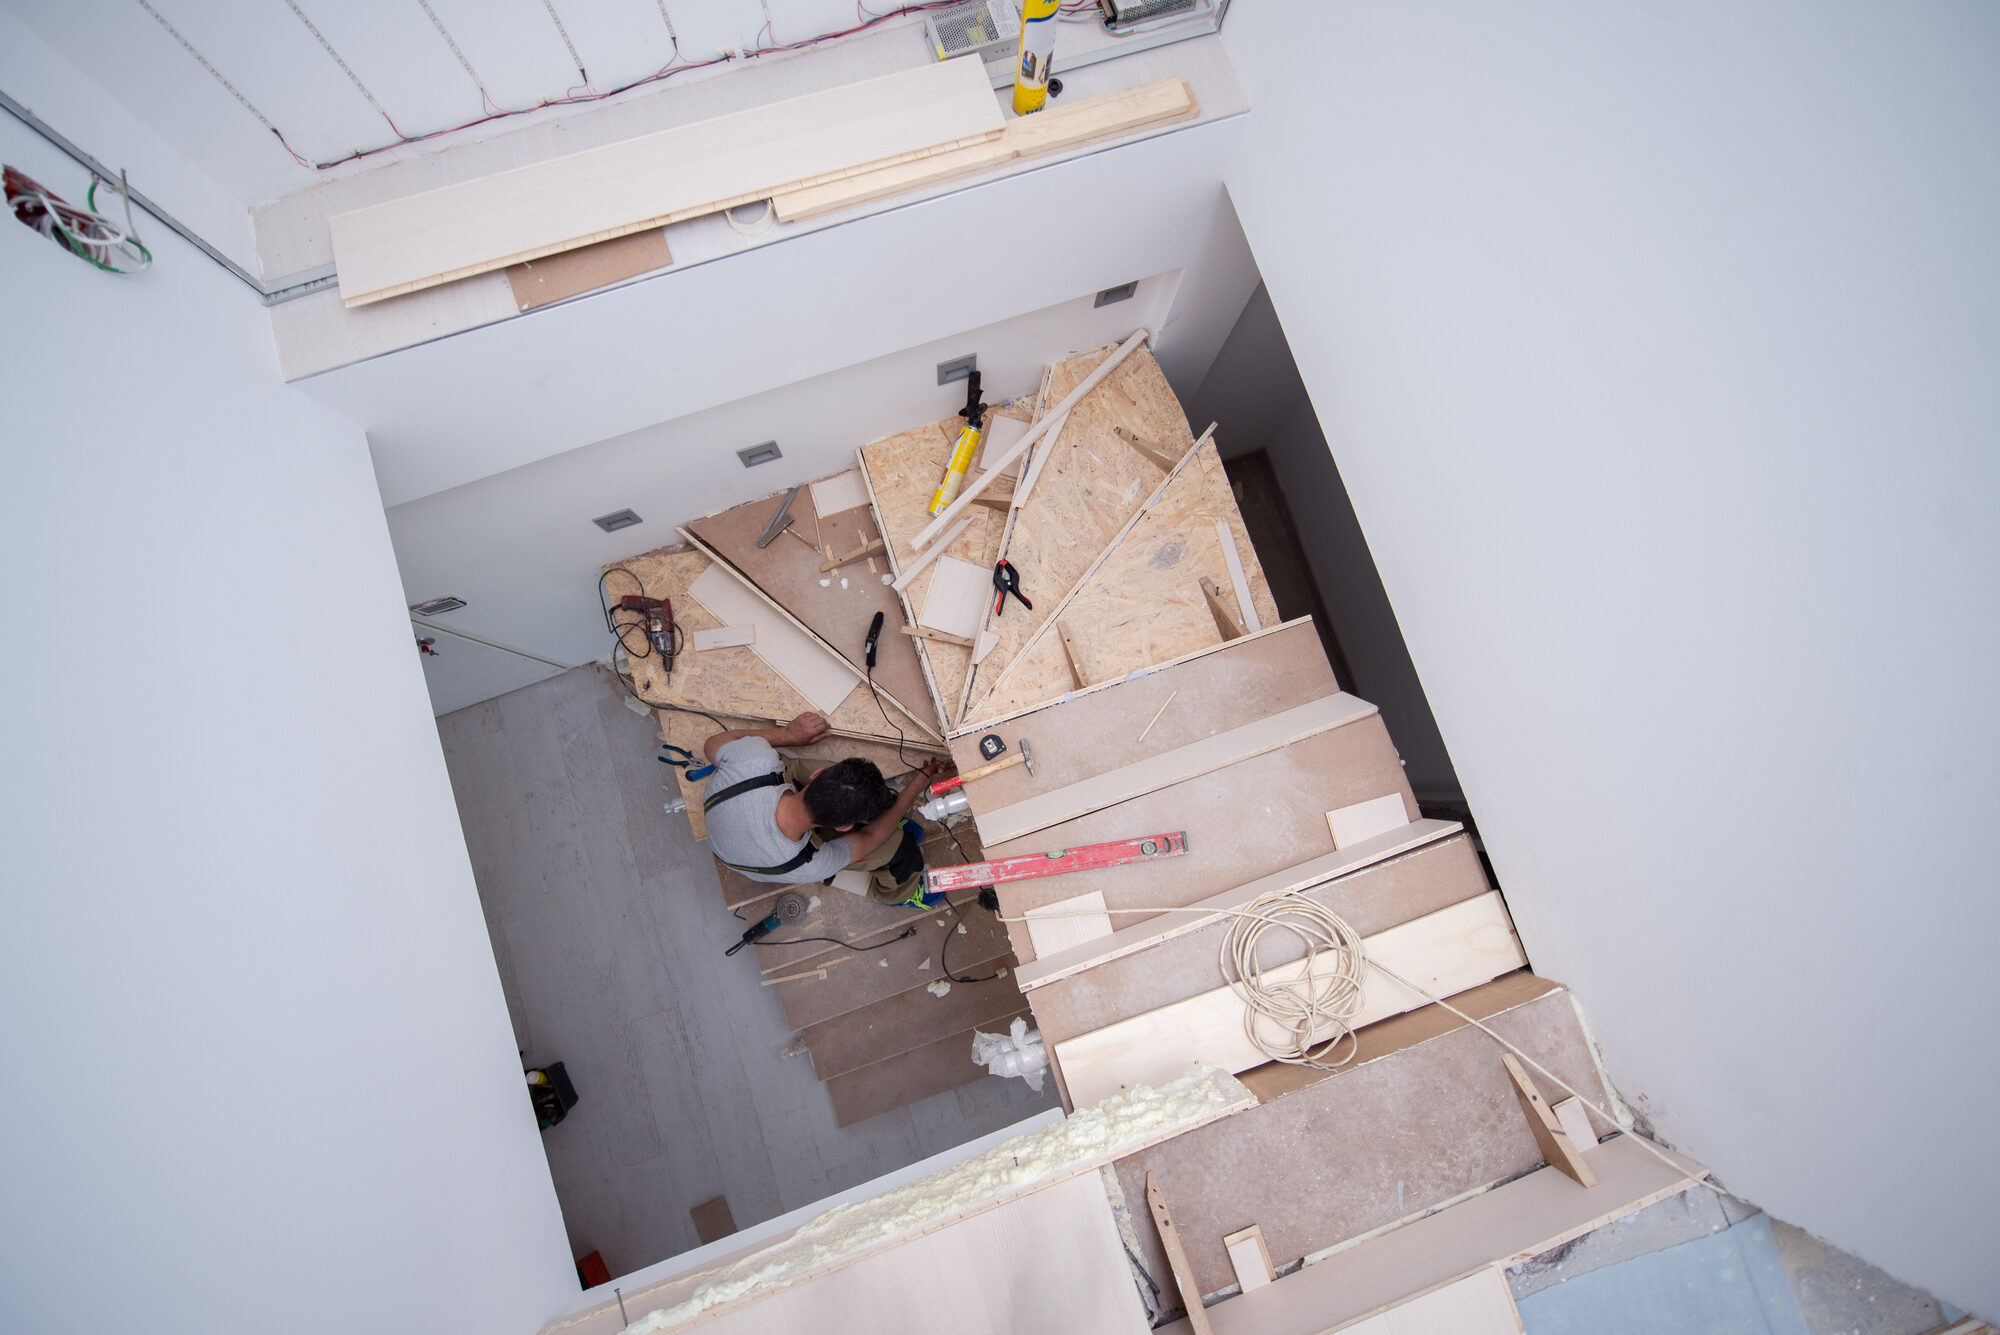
point(1306, 1020)
point(754, 221)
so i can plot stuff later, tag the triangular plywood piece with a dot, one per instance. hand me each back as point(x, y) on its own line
point(1142, 604)
point(732, 682)
point(1086, 492)
point(835, 605)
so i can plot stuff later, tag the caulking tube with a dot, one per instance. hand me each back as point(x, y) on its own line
point(1038, 50)
point(954, 473)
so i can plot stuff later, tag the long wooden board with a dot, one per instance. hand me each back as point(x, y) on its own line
point(419, 241)
point(1169, 767)
point(812, 670)
point(1445, 952)
point(1169, 926)
point(1510, 1223)
point(1051, 130)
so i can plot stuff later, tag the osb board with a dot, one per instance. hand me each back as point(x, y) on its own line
point(789, 572)
point(1091, 485)
point(1251, 819)
point(1226, 686)
point(1144, 604)
point(932, 1068)
point(866, 979)
point(571, 273)
point(733, 681)
point(903, 471)
point(1370, 900)
point(1400, 1135)
point(910, 1020)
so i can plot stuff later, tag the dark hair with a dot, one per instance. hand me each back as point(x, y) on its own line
point(849, 792)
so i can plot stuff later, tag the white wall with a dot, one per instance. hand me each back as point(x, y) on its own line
point(260, 1071)
point(1656, 347)
point(494, 398)
point(519, 547)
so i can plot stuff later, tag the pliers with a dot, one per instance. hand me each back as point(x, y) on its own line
point(696, 771)
point(1007, 580)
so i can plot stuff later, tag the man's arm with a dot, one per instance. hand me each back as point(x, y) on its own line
point(801, 731)
point(865, 839)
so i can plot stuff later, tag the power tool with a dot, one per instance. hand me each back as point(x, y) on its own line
point(657, 618)
point(791, 906)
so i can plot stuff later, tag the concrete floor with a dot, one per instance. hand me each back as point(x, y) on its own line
point(608, 926)
point(1836, 1294)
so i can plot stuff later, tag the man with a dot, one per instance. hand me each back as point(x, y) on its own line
point(763, 810)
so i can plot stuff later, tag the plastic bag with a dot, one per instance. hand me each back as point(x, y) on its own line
point(1017, 1053)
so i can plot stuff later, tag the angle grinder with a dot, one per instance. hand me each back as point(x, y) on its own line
point(791, 906)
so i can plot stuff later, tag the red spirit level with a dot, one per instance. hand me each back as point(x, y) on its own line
point(939, 880)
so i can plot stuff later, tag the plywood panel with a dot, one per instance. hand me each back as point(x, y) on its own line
point(811, 671)
point(734, 682)
point(902, 472)
point(958, 594)
point(1091, 484)
point(839, 493)
point(1143, 605)
point(422, 240)
point(837, 607)
point(1403, 1134)
point(1444, 952)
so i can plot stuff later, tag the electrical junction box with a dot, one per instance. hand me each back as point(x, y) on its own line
point(989, 29)
point(1127, 15)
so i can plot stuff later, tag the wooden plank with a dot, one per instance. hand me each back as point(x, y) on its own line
point(814, 672)
point(1416, 1127)
point(936, 636)
point(1362, 821)
point(1054, 128)
point(1477, 1304)
point(1034, 433)
point(1129, 781)
point(421, 240)
point(572, 273)
point(873, 547)
point(800, 643)
point(1246, 606)
point(1225, 616)
point(997, 439)
point(1446, 952)
point(722, 637)
point(921, 1208)
point(917, 566)
point(1057, 965)
point(1548, 1132)
point(1249, 1258)
point(1155, 453)
point(1050, 442)
point(930, 1068)
point(840, 493)
point(837, 611)
point(1510, 1223)
point(1575, 1122)
point(906, 965)
point(1190, 1292)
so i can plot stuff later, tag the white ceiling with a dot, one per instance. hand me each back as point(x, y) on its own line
point(392, 47)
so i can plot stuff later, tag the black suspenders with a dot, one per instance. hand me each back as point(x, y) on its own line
point(798, 859)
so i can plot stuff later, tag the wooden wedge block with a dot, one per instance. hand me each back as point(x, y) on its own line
point(1177, 1257)
point(1555, 1142)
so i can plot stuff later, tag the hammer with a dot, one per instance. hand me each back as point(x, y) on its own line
point(1021, 757)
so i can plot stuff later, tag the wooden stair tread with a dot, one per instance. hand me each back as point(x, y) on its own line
point(911, 1020)
point(884, 1086)
point(879, 974)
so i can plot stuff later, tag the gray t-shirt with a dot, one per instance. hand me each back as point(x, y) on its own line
point(744, 830)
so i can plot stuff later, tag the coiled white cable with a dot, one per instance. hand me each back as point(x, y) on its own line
point(1307, 1019)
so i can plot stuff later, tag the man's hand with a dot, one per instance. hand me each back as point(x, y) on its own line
point(919, 785)
point(807, 729)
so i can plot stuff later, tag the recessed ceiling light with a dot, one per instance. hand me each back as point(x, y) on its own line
point(760, 454)
point(616, 520)
point(1109, 295)
point(958, 368)
point(432, 607)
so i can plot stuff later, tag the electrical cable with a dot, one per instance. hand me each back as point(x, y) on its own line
point(1315, 1002)
point(352, 77)
point(904, 935)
